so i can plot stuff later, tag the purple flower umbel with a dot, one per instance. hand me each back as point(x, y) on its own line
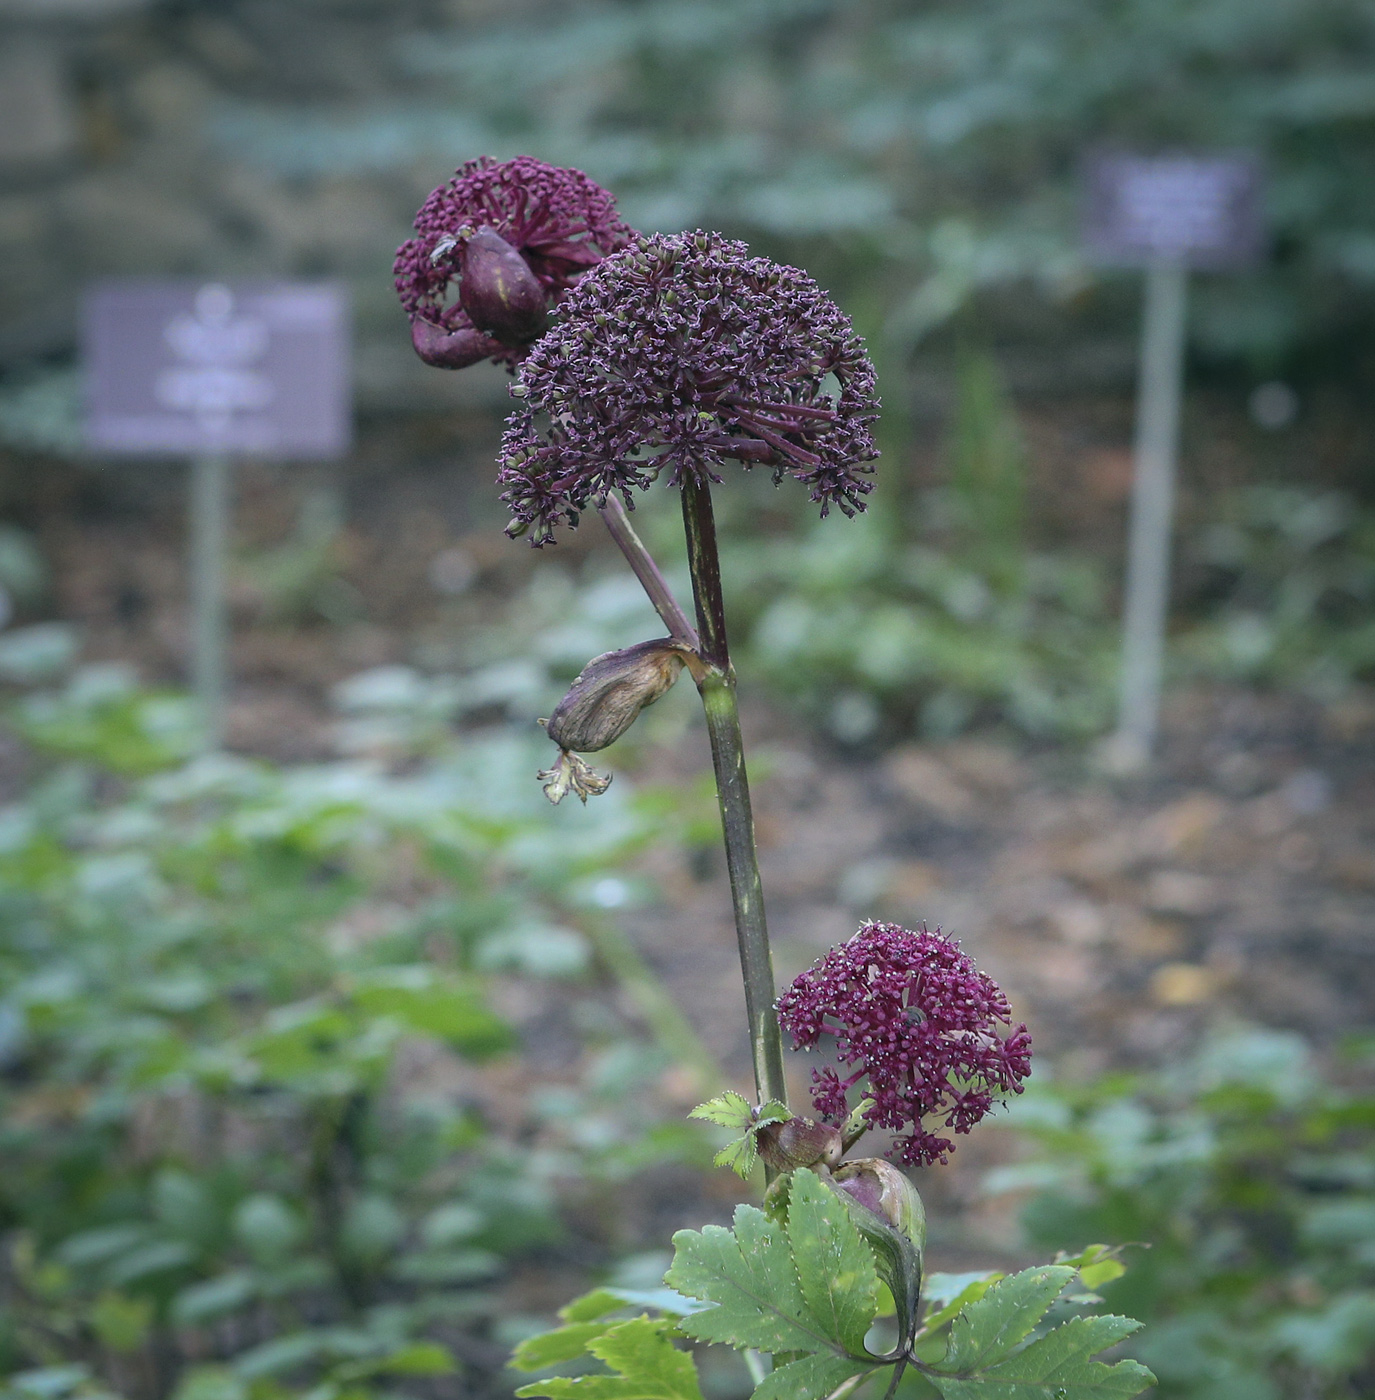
point(673, 355)
point(515, 235)
point(916, 1018)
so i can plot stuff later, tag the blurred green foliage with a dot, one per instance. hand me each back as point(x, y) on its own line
point(247, 1149)
point(929, 150)
point(929, 616)
point(1285, 582)
point(1249, 1172)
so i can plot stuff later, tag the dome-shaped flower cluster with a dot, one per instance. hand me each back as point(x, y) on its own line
point(673, 355)
point(558, 221)
point(914, 1017)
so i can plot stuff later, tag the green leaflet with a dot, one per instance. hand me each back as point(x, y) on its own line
point(982, 1363)
point(809, 1287)
point(971, 1292)
point(562, 1344)
point(1058, 1365)
point(813, 1376)
point(1049, 1359)
point(641, 1352)
point(987, 1330)
point(835, 1265)
point(734, 1111)
point(728, 1110)
point(749, 1275)
point(587, 1318)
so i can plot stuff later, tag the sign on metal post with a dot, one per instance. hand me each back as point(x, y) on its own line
point(1167, 213)
point(210, 371)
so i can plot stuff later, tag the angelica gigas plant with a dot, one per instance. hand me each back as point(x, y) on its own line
point(666, 361)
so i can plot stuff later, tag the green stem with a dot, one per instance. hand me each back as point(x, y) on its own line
point(717, 688)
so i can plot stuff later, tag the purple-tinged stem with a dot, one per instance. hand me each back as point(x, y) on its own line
point(717, 688)
point(647, 571)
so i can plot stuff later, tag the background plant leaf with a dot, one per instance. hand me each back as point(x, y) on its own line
point(648, 1367)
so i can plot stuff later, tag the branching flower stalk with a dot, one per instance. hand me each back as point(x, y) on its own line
point(665, 361)
point(715, 678)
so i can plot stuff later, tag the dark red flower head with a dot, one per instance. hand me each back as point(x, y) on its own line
point(515, 235)
point(914, 1017)
point(673, 355)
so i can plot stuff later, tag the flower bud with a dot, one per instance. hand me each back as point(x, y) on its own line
point(799, 1142)
point(611, 691)
point(451, 349)
point(499, 292)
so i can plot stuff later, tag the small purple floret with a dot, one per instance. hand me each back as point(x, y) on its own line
point(560, 221)
point(674, 355)
point(914, 1017)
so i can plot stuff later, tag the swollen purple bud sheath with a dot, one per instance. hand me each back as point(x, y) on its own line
point(452, 349)
point(557, 222)
point(499, 292)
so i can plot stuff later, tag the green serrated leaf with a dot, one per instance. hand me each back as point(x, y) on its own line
point(1058, 1365)
point(562, 1344)
point(987, 1329)
point(811, 1378)
point(649, 1367)
point(972, 1292)
point(728, 1110)
point(753, 1276)
point(1097, 1264)
point(591, 1306)
point(834, 1264)
point(748, 1274)
point(740, 1155)
point(1052, 1357)
point(734, 1111)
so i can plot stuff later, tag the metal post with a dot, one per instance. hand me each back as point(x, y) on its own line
point(1152, 510)
point(209, 539)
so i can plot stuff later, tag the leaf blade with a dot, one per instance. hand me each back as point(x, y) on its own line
point(809, 1378)
point(748, 1274)
point(650, 1368)
point(986, 1330)
point(835, 1267)
point(728, 1110)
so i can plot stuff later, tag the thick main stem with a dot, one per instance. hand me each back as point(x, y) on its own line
point(717, 688)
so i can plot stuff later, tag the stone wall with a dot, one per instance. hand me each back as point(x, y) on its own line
point(118, 156)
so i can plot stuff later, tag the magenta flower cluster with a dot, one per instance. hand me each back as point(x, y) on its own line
point(914, 1018)
point(559, 221)
point(674, 355)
